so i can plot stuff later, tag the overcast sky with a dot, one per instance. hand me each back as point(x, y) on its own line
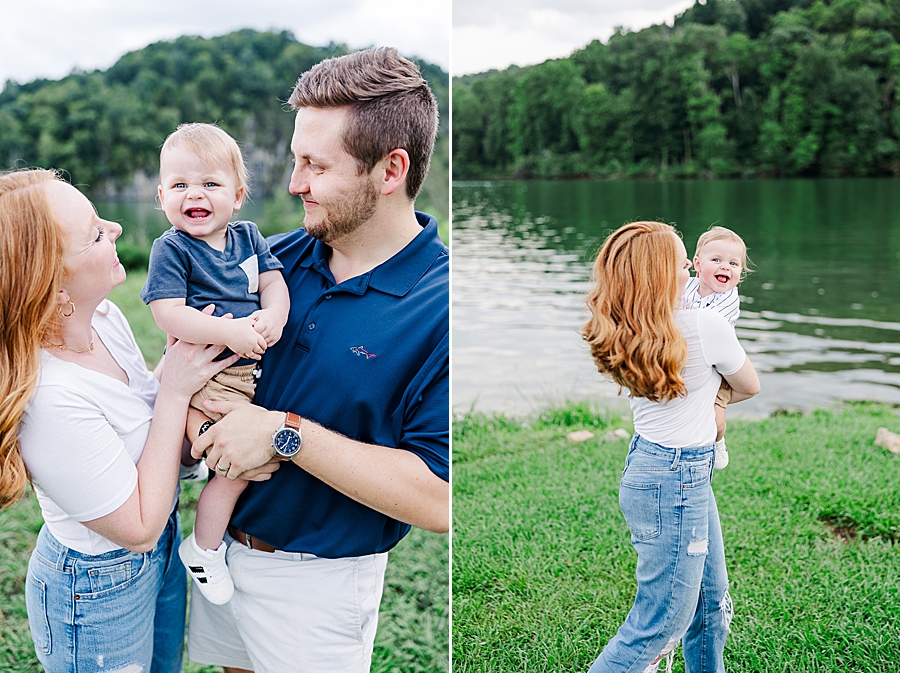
point(497, 33)
point(47, 38)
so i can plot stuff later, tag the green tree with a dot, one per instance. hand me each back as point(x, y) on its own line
point(105, 127)
point(782, 87)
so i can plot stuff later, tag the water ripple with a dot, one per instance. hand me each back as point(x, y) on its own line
point(521, 269)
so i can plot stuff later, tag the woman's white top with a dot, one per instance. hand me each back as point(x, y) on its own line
point(713, 350)
point(83, 434)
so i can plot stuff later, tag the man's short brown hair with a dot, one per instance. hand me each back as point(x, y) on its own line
point(390, 106)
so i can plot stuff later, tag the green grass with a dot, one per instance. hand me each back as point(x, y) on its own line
point(413, 628)
point(543, 568)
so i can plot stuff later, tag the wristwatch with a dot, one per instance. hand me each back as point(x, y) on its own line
point(287, 440)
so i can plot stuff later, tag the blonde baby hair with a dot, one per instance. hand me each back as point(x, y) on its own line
point(213, 146)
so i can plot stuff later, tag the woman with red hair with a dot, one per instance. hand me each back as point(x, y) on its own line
point(98, 435)
point(672, 362)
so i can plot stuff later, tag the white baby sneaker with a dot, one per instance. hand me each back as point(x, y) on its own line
point(197, 472)
point(208, 570)
point(721, 454)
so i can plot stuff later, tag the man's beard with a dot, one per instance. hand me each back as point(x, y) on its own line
point(344, 214)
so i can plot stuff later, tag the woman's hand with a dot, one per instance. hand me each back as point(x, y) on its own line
point(261, 473)
point(188, 367)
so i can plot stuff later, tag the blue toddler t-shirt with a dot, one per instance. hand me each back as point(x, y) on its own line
point(183, 266)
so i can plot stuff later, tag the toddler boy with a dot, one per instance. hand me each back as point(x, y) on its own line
point(207, 259)
point(720, 260)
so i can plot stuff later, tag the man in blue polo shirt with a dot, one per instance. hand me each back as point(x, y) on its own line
point(357, 388)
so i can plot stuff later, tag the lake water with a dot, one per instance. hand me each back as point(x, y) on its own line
point(820, 315)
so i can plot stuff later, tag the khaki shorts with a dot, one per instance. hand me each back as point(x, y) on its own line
point(723, 396)
point(231, 384)
point(291, 612)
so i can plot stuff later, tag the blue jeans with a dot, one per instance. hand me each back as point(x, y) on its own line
point(118, 611)
point(682, 593)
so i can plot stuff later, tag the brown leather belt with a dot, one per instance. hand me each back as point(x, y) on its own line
point(249, 540)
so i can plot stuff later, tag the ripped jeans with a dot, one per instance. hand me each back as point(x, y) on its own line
point(112, 612)
point(682, 593)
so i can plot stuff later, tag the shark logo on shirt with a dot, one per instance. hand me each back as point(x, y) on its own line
point(359, 350)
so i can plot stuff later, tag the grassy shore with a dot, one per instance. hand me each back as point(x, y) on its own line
point(413, 628)
point(543, 568)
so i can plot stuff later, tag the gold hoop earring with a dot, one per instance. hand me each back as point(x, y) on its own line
point(59, 309)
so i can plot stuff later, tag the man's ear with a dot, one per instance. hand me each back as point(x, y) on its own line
point(395, 167)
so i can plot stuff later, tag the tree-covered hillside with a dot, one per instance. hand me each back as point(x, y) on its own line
point(735, 87)
point(105, 128)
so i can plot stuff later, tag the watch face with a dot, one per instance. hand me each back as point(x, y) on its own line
point(286, 442)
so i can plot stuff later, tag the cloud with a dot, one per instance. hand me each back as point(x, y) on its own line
point(514, 13)
point(48, 38)
point(503, 32)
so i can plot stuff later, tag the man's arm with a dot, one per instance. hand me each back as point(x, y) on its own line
point(392, 481)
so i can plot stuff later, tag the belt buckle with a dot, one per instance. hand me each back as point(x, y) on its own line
point(237, 534)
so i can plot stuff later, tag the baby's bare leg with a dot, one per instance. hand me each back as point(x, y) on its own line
point(214, 509)
point(220, 495)
point(720, 421)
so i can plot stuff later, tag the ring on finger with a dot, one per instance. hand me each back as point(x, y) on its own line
point(222, 469)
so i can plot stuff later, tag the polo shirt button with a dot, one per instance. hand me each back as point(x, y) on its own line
point(327, 296)
point(311, 326)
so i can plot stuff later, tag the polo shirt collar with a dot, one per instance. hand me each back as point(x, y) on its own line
point(397, 275)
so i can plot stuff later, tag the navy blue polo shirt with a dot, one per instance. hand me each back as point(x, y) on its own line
point(367, 358)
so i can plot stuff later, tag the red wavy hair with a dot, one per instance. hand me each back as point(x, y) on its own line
point(32, 246)
point(632, 331)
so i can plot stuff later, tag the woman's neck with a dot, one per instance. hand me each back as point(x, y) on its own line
point(76, 332)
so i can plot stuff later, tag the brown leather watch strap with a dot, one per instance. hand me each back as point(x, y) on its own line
point(292, 420)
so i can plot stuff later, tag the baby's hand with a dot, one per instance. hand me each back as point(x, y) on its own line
point(268, 325)
point(244, 340)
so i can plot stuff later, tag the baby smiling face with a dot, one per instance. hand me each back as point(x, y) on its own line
point(719, 264)
point(198, 198)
